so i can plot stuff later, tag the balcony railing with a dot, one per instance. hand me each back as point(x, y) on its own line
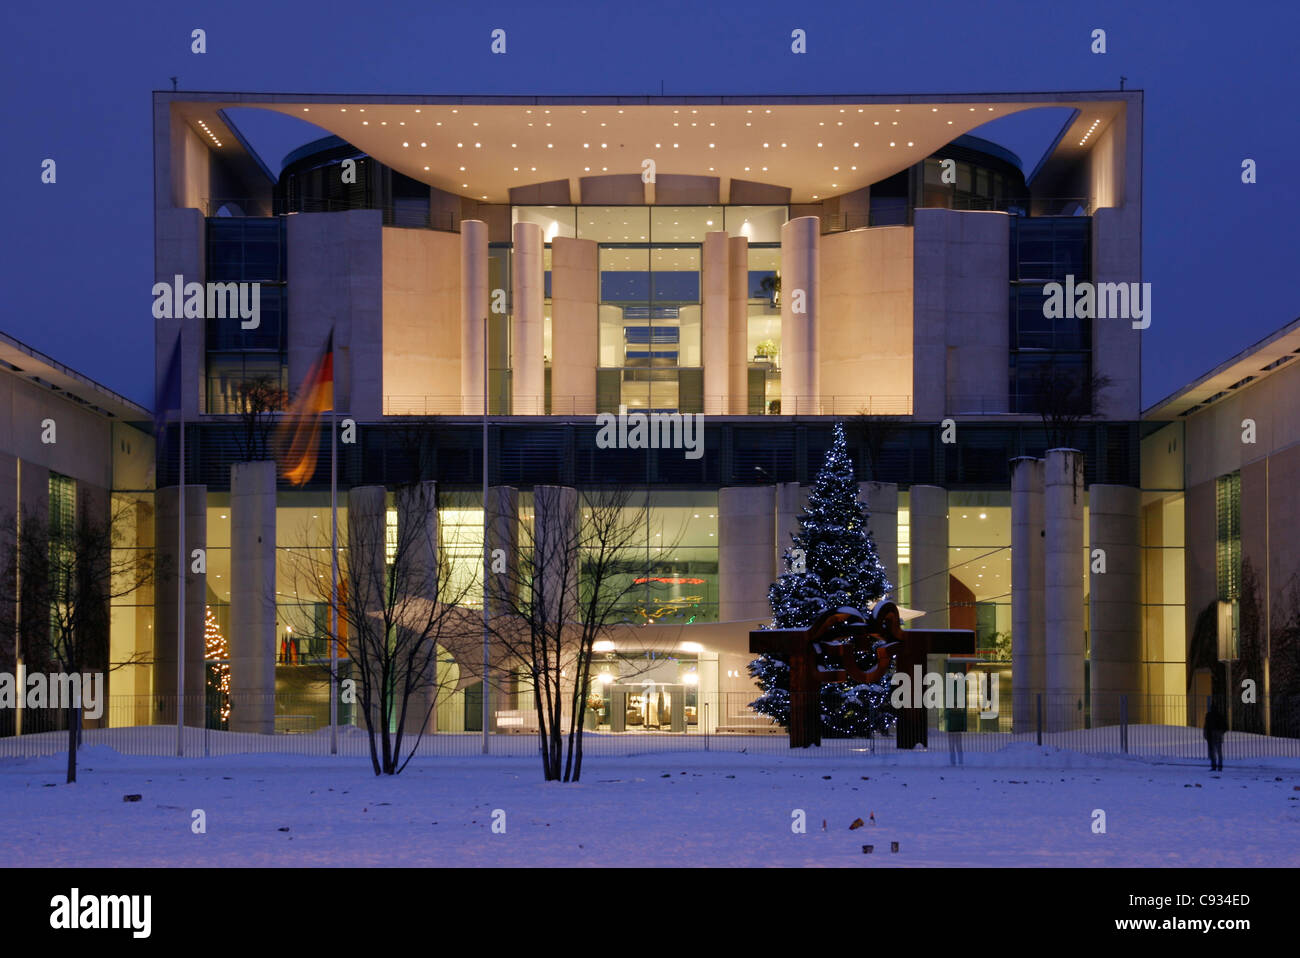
point(442, 220)
point(587, 406)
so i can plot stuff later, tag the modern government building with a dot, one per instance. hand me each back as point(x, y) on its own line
point(773, 264)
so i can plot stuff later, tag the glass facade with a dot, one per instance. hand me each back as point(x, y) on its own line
point(1047, 353)
point(247, 250)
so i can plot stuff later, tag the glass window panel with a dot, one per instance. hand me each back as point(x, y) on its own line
point(683, 224)
point(761, 224)
point(614, 224)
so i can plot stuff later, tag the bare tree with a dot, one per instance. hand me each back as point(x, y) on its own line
point(568, 587)
point(873, 433)
point(69, 574)
point(398, 606)
point(1063, 398)
point(257, 403)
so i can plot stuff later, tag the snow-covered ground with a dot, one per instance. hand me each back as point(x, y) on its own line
point(1023, 806)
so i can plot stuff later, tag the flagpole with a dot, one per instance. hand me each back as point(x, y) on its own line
point(180, 596)
point(487, 554)
point(334, 577)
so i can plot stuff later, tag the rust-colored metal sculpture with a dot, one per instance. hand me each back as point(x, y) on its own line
point(841, 634)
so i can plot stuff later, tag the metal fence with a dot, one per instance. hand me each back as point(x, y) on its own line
point(1163, 728)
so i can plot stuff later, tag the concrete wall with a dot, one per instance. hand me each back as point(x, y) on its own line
point(83, 448)
point(170, 565)
point(928, 517)
point(180, 248)
point(252, 597)
point(1214, 435)
point(1115, 184)
point(575, 292)
point(1115, 600)
point(746, 551)
point(959, 353)
point(881, 499)
point(423, 321)
point(866, 340)
point(335, 267)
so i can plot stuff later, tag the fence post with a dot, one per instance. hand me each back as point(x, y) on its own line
point(1123, 723)
point(1039, 700)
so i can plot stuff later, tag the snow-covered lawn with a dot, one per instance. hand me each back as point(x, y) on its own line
point(1023, 806)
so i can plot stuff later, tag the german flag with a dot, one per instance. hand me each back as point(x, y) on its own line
point(300, 429)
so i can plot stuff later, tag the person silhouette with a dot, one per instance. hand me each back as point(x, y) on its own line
point(1215, 726)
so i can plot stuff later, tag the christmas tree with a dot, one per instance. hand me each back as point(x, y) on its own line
point(219, 672)
point(832, 563)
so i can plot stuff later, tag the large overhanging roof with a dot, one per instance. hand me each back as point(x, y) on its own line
point(23, 361)
point(482, 147)
point(1265, 357)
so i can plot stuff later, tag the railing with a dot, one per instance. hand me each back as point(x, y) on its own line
point(900, 216)
point(412, 218)
point(978, 405)
point(1152, 728)
point(587, 406)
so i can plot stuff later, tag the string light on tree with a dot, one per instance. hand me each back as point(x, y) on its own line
point(832, 563)
point(219, 676)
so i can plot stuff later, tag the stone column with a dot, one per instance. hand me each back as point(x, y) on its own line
point(929, 550)
point(790, 501)
point(170, 564)
point(366, 579)
point(1027, 557)
point(474, 305)
point(575, 298)
point(527, 327)
point(252, 597)
point(417, 531)
point(503, 535)
point(1115, 601)
point(881, 499)
point(715, 282)
point(93, 508)
point(800, 289)
point(738, 325)
point(1063, 589)
point(746, 547)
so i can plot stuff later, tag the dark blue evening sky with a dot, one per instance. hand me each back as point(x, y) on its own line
point(1220, 83)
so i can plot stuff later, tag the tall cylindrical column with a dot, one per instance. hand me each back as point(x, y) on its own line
point(738, 325)
point(800, 296)
point(474, 304)
point(1115, 601)
point(715, 282)
point(503, 548)
point(790, 501)
point(746, 548)
point(528, 324)
point(1027, 550)
point(575, 311)
point(366, 585)
point(928, 523)
point(1063, 588)
point(252, 597)
point(417, 543)
point(881, 499)
point(170, 563)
